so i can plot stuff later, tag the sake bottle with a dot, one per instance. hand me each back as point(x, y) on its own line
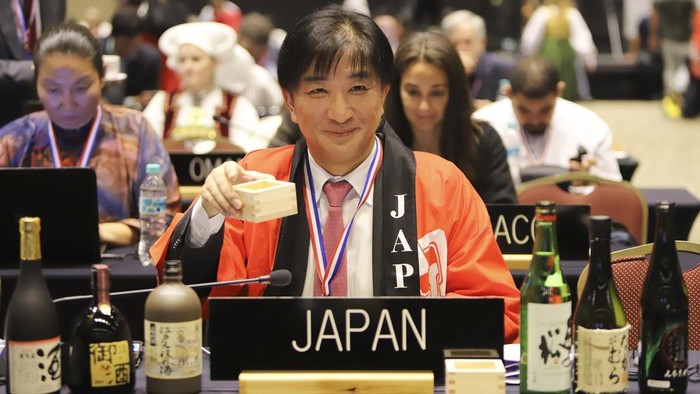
point(601, 332)
point(173, 336)
point(545, 313)
point(663, 361)
point(100, 358)
point(32, 331)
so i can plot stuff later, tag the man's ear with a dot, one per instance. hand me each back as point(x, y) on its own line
point(561, 85)
point(289, 100)
point(508, 90)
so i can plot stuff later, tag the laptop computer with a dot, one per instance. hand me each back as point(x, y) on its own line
point(338, 333)
point(513, 227)
point(66, 201)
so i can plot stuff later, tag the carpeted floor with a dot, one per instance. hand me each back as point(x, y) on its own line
point(668, 150)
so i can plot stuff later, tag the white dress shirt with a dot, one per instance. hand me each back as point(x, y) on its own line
point(572, 125)
point(359, 245)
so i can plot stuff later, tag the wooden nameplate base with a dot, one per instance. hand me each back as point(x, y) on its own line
point(316, 382)
point(266, 199)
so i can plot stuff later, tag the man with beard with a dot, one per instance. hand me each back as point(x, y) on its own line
point(553, 131)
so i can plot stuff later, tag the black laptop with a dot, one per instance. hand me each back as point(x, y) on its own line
point(65, 200)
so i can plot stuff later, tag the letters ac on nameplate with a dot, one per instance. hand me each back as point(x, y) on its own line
point(514, 228)
point(327, 333)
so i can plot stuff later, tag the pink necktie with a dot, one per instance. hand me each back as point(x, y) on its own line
point(332, 230)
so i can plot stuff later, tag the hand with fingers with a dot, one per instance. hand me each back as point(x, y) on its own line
point(218, 195)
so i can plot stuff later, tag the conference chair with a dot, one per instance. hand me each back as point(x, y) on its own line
point(629, 267)
point(623, 202)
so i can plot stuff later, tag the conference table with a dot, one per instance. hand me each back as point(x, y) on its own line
point(231, 386)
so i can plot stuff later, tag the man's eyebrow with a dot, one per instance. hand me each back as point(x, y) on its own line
point(319, 78)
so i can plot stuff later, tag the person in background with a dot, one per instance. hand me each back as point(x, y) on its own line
point(222, 11)
point(76, 129)
point(430, 107)
point(214, 71)
point(19, 29)
point(391, 26)
point(648, 62)
point(557, 31)
point(92, 19)
point(263, 90)
point(335, 68)
point(139, 61)
point(552, 130)
point(691, 98)
point(670, 27)
point(485, 70)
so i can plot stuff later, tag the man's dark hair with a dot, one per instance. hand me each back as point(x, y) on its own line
point(323, 37)
point(534, 77)
point(126, 23)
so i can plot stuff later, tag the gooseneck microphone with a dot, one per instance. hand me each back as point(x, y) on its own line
point(277, 278)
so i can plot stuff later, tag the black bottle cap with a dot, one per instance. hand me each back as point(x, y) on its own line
point(600, 226)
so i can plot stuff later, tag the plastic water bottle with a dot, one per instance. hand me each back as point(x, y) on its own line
point(503, 83)
point(152, 204)
point(511, 141)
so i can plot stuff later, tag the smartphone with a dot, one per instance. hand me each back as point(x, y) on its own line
point(137, 350)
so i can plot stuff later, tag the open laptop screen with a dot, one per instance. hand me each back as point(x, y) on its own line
point(66, 202)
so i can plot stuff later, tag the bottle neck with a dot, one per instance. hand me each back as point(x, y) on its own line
point(664, 242)
point(172, 279)
point(600, 271)
point(545, 235)
point(100, 290)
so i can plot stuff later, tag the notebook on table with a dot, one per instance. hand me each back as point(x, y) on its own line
point(66, 201)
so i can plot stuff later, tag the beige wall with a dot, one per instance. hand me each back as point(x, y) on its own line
point(76, 8)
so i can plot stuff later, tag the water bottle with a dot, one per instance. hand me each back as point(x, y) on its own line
point(502, 85)
point(511, 141)
point(152, 203)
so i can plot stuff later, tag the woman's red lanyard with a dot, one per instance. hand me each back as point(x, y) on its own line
point(324, 269)
point(89, 143)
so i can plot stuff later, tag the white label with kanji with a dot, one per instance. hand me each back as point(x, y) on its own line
point(173, 350)
point(549, 346)
point(35, 366)
point(601, 359)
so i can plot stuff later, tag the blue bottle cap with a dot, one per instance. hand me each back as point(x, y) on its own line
point(153, 168)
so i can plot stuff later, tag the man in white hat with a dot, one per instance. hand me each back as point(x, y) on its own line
point(214, 71)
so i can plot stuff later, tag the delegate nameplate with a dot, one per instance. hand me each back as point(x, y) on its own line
point(384, 333)
point(514, 228)
point(192, 169)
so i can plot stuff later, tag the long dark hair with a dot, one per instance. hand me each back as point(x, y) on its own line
point(459, 135)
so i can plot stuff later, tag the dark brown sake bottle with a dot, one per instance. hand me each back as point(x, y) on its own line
point(32, 331)
point(100, 358)
point(173, 336)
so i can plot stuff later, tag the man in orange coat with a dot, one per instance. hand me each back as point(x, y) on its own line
point(412, 224)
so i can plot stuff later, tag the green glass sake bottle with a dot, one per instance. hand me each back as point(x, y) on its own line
point(545, 313)
point(601, 332)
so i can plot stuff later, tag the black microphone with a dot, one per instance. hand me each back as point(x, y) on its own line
point(278, 278)
point(223, 120)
